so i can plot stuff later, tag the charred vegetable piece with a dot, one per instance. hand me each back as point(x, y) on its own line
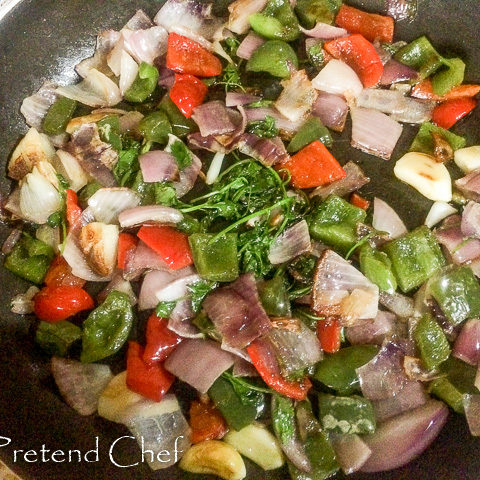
point(57, 338)
point(424, 141)
point(58, 116)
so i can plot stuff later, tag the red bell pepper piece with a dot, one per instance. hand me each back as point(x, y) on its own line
point(126, 243)
point(266, 364)
point(447, 114)
point(424, 90)
point(54, 304)
point(161, 341)
point(329, 334)
point(187, 56)
point(313, 166)
point(370, 25)
point(74, 212)
point(359, 201)
point(60, 273)
point(357, 52)
point(169, 243)
point(206, 422)
point(187, 93)
point(151, 381)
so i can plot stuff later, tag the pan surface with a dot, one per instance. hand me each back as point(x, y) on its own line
point(42, 40)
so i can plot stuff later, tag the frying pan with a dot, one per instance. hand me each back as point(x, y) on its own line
point(44, 39)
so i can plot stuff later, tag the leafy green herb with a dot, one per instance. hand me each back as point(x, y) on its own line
point(249, 394)
point(261, 104)
point(264, 128)
point(230, 45)
point(182, 154)
point(165, 309)
point(127, 165)
point(199, 291)
point(231, 78)
point(283, 418)
point(206, 326)
point(165, 194)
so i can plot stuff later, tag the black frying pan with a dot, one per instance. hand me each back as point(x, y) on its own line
point(44, 39)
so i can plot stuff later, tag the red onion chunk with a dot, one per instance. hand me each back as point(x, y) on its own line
point(467, 345)
point(470, 185)
point(374, 132)
point(119, 284)
point(282, 123)
point(80, 384)
point(237, 313)
point(187, 177)
point(212, 118)
point(394, 72)
point(401, 439)
point(268, 151)
point(199, 363)
point(11, 241)
point(383, 376)
point(242, 368)
point(210, 143)
point(373, 332)
point(411, 396)
point(332, 110)
point(180, 320)
point(141, 259)
point(471, 220)
point(471, 404)
point(324, 31)
point(139, 21)
point(386, 219)
point(354, 179)
point(149, 214)
point(398, 304)
point(351, 451)
point(249, 44)
point(402, 9)
point(233, 99)
point(166, 78)
point(290, 244)
point(158, 166)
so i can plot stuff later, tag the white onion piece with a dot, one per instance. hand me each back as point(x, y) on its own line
point(38, 197)
point(119, 284)
point(214, 169)
point(128, 72)
point(146, 45)
point(80, 384)
point(282, 123)
point(114, 57)
point(386, 219)
point(149, 214)
point(35, 107)
point(351, 451)
point(96, 90)
point(68, 166)
point(438, 212)
point(49, 235)
point(249, 44)
point(471, 404)
point(373, 332)
point(468, 159)
point(240, 11)
point(107, 204)
point(22, 304)
point(290, 244)
point(324, 31)
point(139, 21)
point(176, 289)
point(338, 78)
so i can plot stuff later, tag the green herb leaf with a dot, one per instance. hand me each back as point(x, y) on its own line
point(182, 154)
point(165, 309)
point(264, 128)
point(199, 291)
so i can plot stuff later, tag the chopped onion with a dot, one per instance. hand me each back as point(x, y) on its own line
point(130, 121)
point(158, 166)
point(374, 132)
point(471, 220)
point(119, 284)
point(467, 345)
point(80, 384)
point(108, 203)
point(35, 107)
point(11, 241)
point(243, 368)
point(49, 235)
point(351, 451)
point(240, 11)
point(338, 78)
point(128, 72)
point(249, 44)
point(386, 219)
point(282, 123)
point(438, 212)
point(402, 9)
point(268, 151)
point(199, 363)
point(180, 320)
point(141, 259)
point(374, 332)
point(324, 31)
point(397, 303)
point(471, 404)
point(22, 304)
point(212, 119)
point(149, 214)
point(233, 99)
point(402, 438)
point(66, 164)
point(177, 289)
point(470, 185)
point(214, 169)
point(139, 21)
point(146, 45)
point(394, 72)
point(332, 110)
point(468, 158)
point(291, 243)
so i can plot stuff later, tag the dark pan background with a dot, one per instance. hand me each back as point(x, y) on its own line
point(44, 39)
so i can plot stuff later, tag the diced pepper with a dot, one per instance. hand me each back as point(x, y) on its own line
point(424, 143)
point(274, 57)
point(452, 76)
point(187, 93)
point(334, 222)
point(447, 114)
point(312, 130)
point(274, 297)
point(338, 371)
point(187, 56)
point(329, 333)
point(144, 85)
point(444, 390)
point(57, 338)
point(58, 116)
point(358, 201)
point(424, 90)
point(359, 54)
point(457, 292)
point(109, 128)
point(316, 54)
point(346, 415)
point(296, 390)
point(310, 12)
point(126, 244)
point(169, 243)
point(431, 342)
point(377, 267)
point(277, 21)
point(181, 125)
point(155, 127)
point(415, 258)
point(160, 340)
point(313, 166)
point(216, 261)
point(206, 422)
point(151, 381)
point(60, 273)
point(54, 304)
point(370, 25)
point(74, 212)
point(283, 419)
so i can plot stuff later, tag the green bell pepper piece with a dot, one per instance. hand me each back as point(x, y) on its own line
point(376, 266)
point(57, 338)
point(215, 261)
point(423, 141)
point(144, 85)
point(155, 127)
point(334, 222)
point(457, 292)
point(444, 390)
point(431, 342)
point(87, 191)
point(310, 12)
point(109, 129)
point(277, 21)
point(313, 129)
point(274, 297)
point(273, 57)
point(30, 259)
point(58, 116)
point(315, 55)
point(283, 419)
point(338, 371)
point(181, 125)
point(420, 55)
point(107, 327)
point(415, 258)
point(346, 414)
point(452, 76)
